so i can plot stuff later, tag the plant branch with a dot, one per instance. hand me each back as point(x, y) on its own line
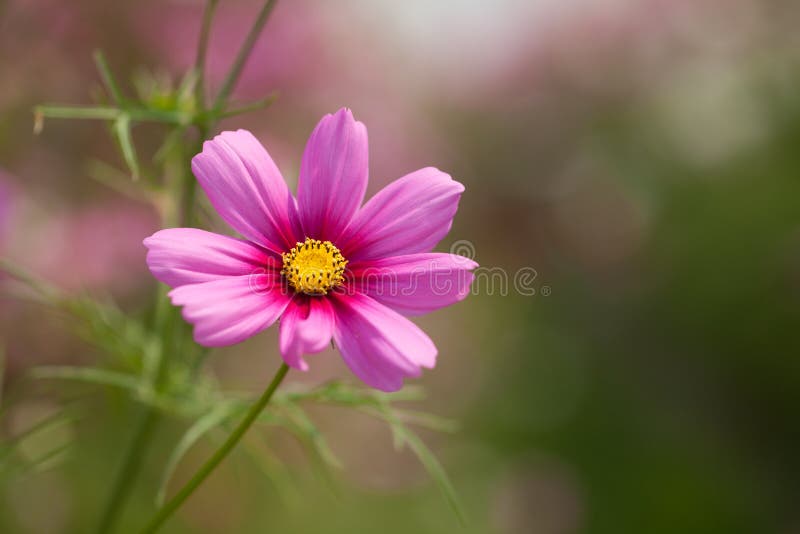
point(202, 51)
point(244, 54)
point(111, 113)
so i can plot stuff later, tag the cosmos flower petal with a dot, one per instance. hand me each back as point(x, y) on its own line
point(380, 346)
point(232, 309)
point(416, 283)
point(247, 189)
point(410, 215)
point(333, 175)
point(180, 256)
point(306, 328)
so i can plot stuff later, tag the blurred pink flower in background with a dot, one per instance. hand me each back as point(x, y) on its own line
point(296, 252)
point(290, 56)
point(97, 247)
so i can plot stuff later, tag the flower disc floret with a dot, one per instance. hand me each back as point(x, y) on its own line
point(314, 267)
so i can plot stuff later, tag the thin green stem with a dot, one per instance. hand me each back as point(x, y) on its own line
point(77, 112)
point(205, 120)
point(244, 54)
point(188, 187)
point(201, 119)
point(207, 468)
point(111, 113)
point(202, 51)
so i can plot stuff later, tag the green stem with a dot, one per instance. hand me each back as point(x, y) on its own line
point(202, 50)
point(186, 491)
point(111, 113)
point(201, 120)
point(189, 186)
point(242, 57)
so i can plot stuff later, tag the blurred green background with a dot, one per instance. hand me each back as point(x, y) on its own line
point(642, 156)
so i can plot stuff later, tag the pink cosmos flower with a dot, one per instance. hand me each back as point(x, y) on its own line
point(327, 266)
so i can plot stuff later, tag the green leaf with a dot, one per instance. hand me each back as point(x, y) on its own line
point(43, 462)
point(89, 375)
point(122, 131)
point(108, 78)
point(107, 327)
point(427, 420)
point(172, 141)
point(186, 90)
point(57, 419)
point(348, 395)
point(435, 470)
point(263, 103)
point(36, 440)
point(305, 428)
point(139, 390)
point(272, 468)
point(48, 459)
point(402, 435)
point(398, 436)
point(44, 291)
point(218, 415)
point(308, 435)
point(120, 181)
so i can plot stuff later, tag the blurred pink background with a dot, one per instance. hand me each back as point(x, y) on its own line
point(601, 142)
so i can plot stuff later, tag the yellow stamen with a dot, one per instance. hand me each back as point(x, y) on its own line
point(314, 267)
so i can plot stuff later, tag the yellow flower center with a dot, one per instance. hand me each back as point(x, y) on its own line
point(313, 267)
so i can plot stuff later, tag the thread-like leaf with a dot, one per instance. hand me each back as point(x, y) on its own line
point(271, 466)
point(36, 465)
point(218, 415)
point(101, 323)
point(246, 108)
point(52, 421)
point(427, 420)
point(122, 132)
point(402, 435)
point(108, 78)
point(309, 431)
point(119, 181)
point(90, 375)
point(435, 470)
